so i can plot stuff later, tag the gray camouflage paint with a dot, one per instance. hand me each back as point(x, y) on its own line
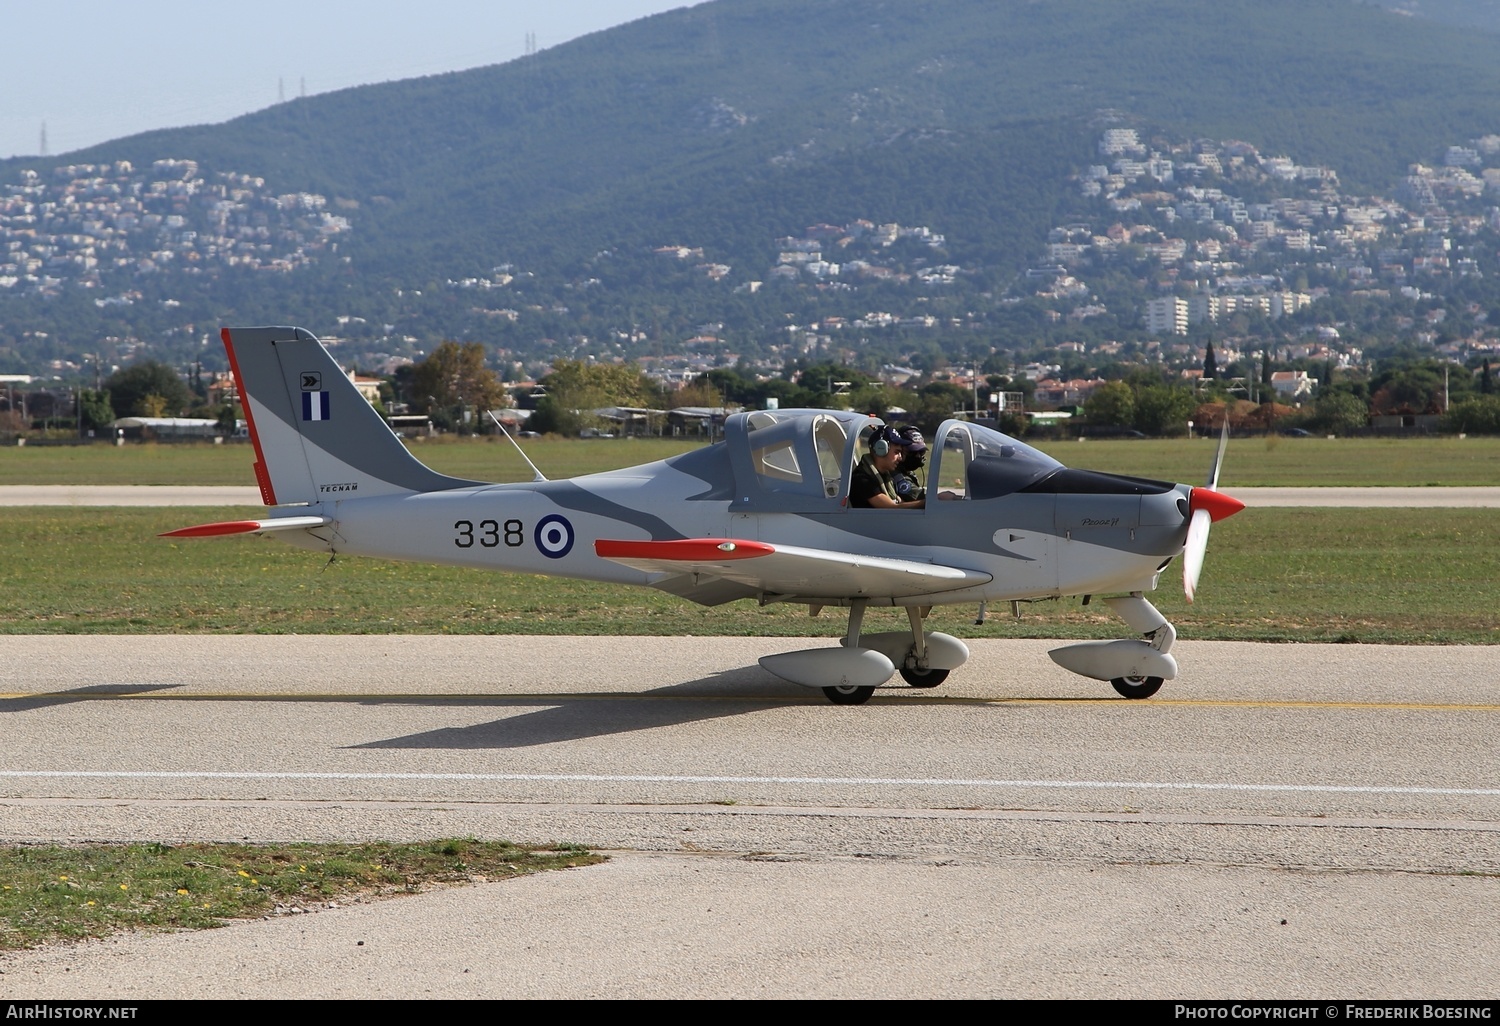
point(1053, 544)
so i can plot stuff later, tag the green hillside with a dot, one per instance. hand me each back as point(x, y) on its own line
point(729, 124)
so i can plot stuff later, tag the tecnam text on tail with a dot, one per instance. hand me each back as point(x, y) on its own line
point(762, 515)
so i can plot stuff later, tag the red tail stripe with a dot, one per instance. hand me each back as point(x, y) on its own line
point(262, 475)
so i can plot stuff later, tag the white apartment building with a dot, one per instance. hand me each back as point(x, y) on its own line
point(1168, 315)
point(1119, 140)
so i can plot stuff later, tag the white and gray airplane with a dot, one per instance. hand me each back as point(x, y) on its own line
point(762, 515)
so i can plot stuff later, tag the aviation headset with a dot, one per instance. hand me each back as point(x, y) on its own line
point(881, 444)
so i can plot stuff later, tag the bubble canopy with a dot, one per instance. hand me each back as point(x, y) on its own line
point(986, 463)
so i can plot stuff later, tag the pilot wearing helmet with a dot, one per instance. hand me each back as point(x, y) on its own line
point(913, 457)
point(873, 485)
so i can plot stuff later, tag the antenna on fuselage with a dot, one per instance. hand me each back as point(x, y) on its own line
point(539, 475)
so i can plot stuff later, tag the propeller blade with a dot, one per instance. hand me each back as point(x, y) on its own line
point(1205, 505)
point(1193, 550)
point(1213, 474)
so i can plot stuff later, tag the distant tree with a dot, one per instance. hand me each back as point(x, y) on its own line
point(876, 398)
point(147, 389)
point(699, 392)
point(152, 405)
point(456, 377)
point(1340, 413)
point(1210, 362)
point(730, 384)
point(12, 423)
point(575, 389)
point(785, 393)
point(996, 363)
point(94, 410)
point(931, 359)
point(829, 384)
point(1163, 409)
point(226, 423)
point(1486, 383)
point(1420, 386)
point(1477, 416)
point(1112, 403)
point(936, 402)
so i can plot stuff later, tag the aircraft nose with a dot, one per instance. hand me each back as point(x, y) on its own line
point(1214, 502)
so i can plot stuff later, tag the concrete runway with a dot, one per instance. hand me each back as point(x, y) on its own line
point(127, 495)
point(1300, 821)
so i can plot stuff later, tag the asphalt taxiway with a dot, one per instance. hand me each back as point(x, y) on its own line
point(1282, 821)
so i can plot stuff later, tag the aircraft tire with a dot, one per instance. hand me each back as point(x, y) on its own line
point(849, 695)
point(923, 678)
point(1138, 687)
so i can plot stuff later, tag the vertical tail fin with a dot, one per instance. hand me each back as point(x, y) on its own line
point(316, 438)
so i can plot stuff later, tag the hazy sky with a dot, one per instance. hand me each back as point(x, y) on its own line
point(95, 70)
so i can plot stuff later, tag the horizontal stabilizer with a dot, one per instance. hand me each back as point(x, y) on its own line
point(223, 527)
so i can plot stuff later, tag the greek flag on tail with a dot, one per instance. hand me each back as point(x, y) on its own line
point(315, 406)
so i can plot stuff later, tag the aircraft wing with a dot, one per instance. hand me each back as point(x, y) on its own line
point(789, 570)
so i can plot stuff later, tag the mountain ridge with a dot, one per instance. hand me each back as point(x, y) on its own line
point(733, 122)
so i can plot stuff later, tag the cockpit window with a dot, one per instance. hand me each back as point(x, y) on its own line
point(773, 453)
point(792, 460)
point(829, 439)
point(986, 464)
point(798, 455)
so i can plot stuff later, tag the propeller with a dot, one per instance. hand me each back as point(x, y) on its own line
point(1205, 505)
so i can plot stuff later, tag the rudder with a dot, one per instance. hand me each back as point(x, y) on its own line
point(316, 437)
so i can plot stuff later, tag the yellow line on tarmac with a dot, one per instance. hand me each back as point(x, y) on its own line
point(813, 697)
point(1291, 704)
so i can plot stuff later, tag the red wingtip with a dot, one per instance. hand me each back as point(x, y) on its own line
point(214, 530)
point(1216, 503)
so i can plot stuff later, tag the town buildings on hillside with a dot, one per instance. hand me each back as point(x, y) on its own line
point(85, 219)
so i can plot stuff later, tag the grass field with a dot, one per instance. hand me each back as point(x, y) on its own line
point(52, 893)
point(1367, 575)
point(1250, 462)
point(1424, 576)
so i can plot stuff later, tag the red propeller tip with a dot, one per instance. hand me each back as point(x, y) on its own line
point(1216, 503)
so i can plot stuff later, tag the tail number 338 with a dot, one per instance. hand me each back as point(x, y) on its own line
point(490, 533)
point(553, 535)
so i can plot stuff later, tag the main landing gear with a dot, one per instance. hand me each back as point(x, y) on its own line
point(848, 694)
point(1137, 687)
point(849, 674)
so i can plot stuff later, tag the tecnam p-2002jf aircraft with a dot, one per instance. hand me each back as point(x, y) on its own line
point(761, 515)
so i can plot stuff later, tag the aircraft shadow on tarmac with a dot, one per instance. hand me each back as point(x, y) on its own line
point(576, 716)
point(85, 694)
